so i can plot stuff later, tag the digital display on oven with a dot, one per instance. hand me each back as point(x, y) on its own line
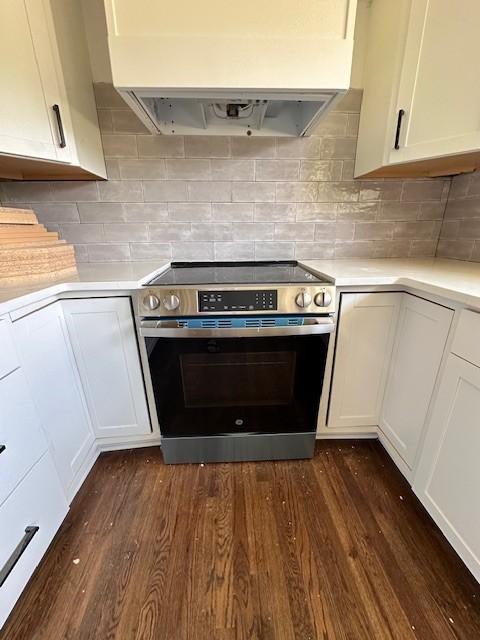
point(258, 300)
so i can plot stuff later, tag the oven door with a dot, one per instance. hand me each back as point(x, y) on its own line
point(224, 382)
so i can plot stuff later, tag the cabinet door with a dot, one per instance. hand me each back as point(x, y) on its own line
point(439, 88)
point(50, 367)
point(419, 345)
point(103, 337)
point(365, 336)
point(448, 474)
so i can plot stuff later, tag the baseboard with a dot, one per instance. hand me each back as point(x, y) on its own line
point(128, 442)
point(83, 472)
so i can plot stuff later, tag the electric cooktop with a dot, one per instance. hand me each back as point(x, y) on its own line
point(278, 272)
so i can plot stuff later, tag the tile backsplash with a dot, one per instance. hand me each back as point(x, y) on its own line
point(206, 197)
point(460, 233)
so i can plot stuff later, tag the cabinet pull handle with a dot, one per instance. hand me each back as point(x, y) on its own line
point(2, 448)
point(61, 133)
point(17, 553)
point(401, 113)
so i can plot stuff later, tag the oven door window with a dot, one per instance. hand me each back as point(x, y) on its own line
point(220, 386)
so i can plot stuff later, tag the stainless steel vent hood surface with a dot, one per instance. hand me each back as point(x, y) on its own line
point(273, 67)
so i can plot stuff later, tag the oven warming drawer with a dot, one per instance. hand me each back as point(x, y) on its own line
point(238, 448)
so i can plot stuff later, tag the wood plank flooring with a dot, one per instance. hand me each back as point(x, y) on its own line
point(335, 548)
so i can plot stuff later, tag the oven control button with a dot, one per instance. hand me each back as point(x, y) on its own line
point(171, 302)
point(323, 299)
point(303, 299)
point(151, 302)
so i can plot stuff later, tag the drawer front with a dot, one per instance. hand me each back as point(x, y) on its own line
point(38, 501)
point(8, 355)
point(466, 342)
point(22, 441)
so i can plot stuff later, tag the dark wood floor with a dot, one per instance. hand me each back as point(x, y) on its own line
point(336, 547)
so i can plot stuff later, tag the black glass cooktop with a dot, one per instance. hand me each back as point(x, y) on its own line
point(281, 272)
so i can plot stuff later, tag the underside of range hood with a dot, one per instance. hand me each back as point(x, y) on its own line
point(214, 114)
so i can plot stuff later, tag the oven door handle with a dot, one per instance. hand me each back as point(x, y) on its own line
point(168, 329)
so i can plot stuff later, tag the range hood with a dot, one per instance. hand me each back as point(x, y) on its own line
point(249, 68)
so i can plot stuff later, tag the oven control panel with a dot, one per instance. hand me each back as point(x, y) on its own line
point(252, 300)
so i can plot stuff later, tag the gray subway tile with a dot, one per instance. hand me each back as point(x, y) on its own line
point(189, 211)
point(316, 211)
point(423, 248)
point(82, 233)
point(126, 121)
point(416, 230)
point(334, 123)
point(233, 169)
point(207, 147)
point(164, 191)
point(297, 191)
point(338, 148)
point(141, 169)
point(457, 249)
point(107, 97)
point(193, 251)
point(432, 210)
point(274, 250)
point(120, 191)
point(188, 169)
point(234, 251)
point(294, 231)
point(272, 170)
point(145, 211)
point(109, 252)
point(380, 190)
point(171, 232)
point(399, 210)
point(463, 208)
point(101, 212)
point(161, 147)
point(450, 229)
point(361, 211)
point(275, 212)
point(14, 192)
point(419, 190)
point(105, 120)
point(150, 251)
point(253, 147)
point(253, 192)
point(126, 232)
point(252, 231)
point(459, 186)
point(119, 145)
point(75, 191)
point(354, 249)
point(469, 228)
point(338, 191)
point(314, 250)
point(113, 171)
point(374, 230)
point(81, 252)
point(232, 212)
point(57, 213)
point(334, 231)
point(321, 170)
point(209, 191)
point(308, 147)
point(351, 101)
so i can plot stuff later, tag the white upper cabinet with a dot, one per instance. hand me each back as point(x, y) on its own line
point(104, 341)
point(365, 335)
point(447, 478)
point(421, 103)
point(47, 109)
point(419, 345)
point(47, 358)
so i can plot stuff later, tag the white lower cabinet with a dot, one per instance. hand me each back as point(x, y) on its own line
point(103, 338)
point(48, 361)
point(29, 519)
point(365, 335)
point(420, 341)
point(447, 478)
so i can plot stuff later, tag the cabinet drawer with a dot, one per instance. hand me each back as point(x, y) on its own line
point(466, 343)
point(38, 501)
point(8, 356)
point(22, 440)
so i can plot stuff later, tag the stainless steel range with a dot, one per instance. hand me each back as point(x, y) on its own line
point(236, 355)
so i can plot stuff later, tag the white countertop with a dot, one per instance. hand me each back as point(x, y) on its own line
point(455, 280)
point(452, 279)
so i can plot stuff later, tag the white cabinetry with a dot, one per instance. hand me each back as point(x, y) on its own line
point(29, 517)
point(365, 336)
point(419, 345)
point(47, 110)
point(421, 59)
point(447, 478)
point(104, 341)
point(46, 355)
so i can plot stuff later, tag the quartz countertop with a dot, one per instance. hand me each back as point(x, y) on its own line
point(92, 276)
point(454, 280)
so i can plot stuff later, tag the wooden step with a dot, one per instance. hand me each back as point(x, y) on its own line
point(9, 215)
